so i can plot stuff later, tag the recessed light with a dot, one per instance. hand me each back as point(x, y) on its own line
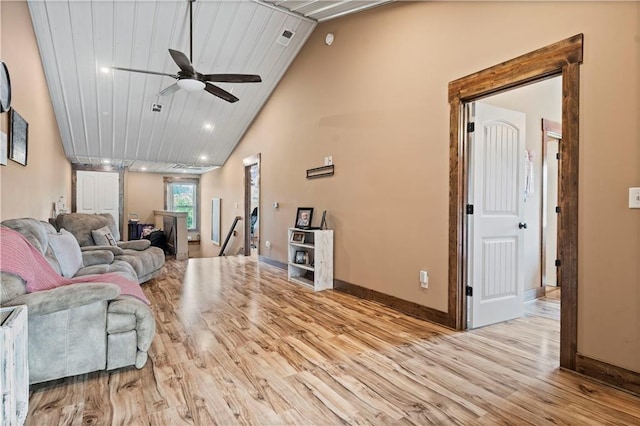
point(207, 126)
point(106, 161)
point(104, 70)
point(203, 157)
point(143, 168)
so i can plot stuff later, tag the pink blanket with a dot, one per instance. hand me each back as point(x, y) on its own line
point(19, 257)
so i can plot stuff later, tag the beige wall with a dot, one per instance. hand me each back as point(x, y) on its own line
point(537, 101)
point(144, 193)
point(377, 101)
point(30, 191)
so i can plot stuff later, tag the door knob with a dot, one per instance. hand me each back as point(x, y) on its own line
point(522, 225)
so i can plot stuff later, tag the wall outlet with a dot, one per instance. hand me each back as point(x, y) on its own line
point(267, 244)
point(328, 161)
point(276, 205)
point(424, 279)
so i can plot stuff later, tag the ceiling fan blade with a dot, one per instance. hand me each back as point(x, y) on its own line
point(145, 71)
point(182, 61)
point(232, 78)
point(169, 90)
point(223, 94)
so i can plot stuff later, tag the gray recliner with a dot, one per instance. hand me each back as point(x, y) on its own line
point(81, 327)
point(146, 260)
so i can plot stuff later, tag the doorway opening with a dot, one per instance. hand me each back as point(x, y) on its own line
point(504, 245)
point(561, 58)
point(98, 189)
point(551, 141)
point(252, 205)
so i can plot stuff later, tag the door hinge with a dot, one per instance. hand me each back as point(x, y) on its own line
point(468, 291)
point(471, 127)
point(469, 208)
point(557, 155)
point(557, 209)
point(558, 263)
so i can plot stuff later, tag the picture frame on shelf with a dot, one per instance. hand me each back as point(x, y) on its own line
point(303, 217)
point(18, 135)
point(297, 237)
point(301, 257)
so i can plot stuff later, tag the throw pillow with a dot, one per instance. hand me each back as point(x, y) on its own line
point(103, 237)
point(66, 249)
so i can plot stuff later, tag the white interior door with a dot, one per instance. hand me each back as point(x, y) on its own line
point(86, 185)
point(109, 194)
point(496, 229)
point(98, 192)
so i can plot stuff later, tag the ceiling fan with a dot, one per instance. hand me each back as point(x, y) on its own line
point(191, 80)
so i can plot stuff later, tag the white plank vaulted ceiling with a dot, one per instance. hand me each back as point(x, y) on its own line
point(105, 115)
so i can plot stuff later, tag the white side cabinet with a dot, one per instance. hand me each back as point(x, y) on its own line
point(14, 365)
point(310, 258)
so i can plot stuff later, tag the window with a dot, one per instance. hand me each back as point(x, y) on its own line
point(182, 196)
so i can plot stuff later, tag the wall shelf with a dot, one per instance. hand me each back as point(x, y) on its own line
point(318, 172)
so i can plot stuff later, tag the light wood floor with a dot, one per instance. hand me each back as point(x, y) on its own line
point(238, 344)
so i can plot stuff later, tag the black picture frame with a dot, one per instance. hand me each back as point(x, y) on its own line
point(18, 135)
point(304, 217)
point(301, 257)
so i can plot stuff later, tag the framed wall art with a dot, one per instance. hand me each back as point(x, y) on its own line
point(18, 134)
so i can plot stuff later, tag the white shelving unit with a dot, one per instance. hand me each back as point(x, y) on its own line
point(317, 271)
point(14, 366)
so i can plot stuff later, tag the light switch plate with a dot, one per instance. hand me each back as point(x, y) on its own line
point(634, 198)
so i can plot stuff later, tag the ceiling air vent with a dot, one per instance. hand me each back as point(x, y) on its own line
point(285, 37)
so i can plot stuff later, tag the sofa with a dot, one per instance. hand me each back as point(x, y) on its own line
point(81, 327)
point(145, 259)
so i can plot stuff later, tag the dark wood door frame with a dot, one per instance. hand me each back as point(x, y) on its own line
point(561, 58)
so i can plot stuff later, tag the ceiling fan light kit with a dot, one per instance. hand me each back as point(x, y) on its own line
point(191, 85)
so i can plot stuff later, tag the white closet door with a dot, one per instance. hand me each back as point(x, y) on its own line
point(98, 192)
point(86, 188)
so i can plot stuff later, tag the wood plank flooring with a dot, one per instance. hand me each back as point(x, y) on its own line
point(237, 344)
